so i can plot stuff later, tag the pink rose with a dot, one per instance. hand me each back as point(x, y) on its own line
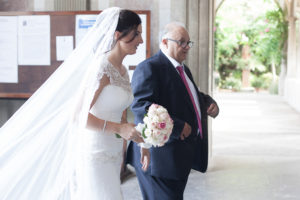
point(165, 138)
point(162, 125)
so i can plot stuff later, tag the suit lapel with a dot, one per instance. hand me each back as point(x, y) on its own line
point(178, 81)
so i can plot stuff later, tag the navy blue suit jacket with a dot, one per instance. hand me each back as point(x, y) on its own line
point(155, 80)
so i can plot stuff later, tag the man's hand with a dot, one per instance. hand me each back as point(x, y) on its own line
point(186, 131)
point(213, 110)
point(145, 158)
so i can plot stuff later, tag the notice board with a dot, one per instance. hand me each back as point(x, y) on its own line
point(31, 77)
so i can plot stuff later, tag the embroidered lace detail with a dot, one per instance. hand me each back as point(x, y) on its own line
point(115, 77)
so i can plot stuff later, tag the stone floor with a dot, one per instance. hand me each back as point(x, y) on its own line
point(255, 152)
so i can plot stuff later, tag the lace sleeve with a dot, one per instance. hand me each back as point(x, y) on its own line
point(115, 77)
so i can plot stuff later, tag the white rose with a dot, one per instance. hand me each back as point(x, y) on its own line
point(155, 119)
point(161, 110)
point(148, 132)
point(140, 127)
point(164, 116)
point(146, 119)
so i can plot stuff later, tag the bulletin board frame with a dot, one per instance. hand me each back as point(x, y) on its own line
point(62, 23)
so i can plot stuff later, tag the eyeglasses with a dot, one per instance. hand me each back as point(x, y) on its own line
point(182, 44)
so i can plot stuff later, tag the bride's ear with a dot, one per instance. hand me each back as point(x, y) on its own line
point(117, 35)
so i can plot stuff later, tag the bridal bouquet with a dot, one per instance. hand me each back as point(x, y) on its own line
point(157, 126)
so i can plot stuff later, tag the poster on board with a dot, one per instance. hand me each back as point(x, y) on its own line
point(64, 47)
point(34, 40)
point(8, 49)
point(83, 24)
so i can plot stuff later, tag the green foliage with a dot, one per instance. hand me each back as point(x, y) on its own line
point(268, 79)
point(231, 83)
point(257, 82)
point(269, 37)
point(265, 81)
point(265, 33)
point(227, 52)
point(261, 81)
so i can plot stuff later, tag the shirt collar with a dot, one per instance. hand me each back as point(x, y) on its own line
point(173, 61)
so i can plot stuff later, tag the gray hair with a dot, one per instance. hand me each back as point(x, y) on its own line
point(169, 28)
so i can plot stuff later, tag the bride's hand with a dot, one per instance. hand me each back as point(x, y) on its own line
point(128, 132)
point(145, 158)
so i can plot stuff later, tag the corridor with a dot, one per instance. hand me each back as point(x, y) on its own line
point(255, 152)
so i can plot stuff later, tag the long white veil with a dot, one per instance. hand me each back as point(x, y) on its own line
point(38, 143)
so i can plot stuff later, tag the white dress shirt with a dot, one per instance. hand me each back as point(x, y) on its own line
point(191, 86)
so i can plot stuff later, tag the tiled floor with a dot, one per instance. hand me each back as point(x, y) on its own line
point(255, 152)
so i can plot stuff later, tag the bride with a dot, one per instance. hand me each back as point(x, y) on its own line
point(63, 143)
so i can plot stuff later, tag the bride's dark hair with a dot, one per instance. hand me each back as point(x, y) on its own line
point(128, 21)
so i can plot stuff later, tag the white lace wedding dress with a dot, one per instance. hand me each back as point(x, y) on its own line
point(98, 174)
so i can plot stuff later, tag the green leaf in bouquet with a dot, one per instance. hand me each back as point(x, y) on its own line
point(143, 132)
point(117, 135)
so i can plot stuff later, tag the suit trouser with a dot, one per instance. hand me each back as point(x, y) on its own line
point(155, 188)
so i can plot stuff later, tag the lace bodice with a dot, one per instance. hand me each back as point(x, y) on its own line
point(115, 77)
point(115, 97)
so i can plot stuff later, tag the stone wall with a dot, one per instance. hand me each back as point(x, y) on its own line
point(16, 5)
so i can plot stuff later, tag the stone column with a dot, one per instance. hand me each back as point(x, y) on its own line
point(99, 4)
point(206, 13)
point(193, 26)
point(164, 18)
point(292, 83)
point(198, 17)
point(179, 10)
point(70, 5)
point(59, 5)
point(43, 5)
point(292, 48)
point(298, 50)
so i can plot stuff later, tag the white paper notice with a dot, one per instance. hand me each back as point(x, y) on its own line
point(83, 24)
point(34, 40)
point(64, 46)
point(8, 49)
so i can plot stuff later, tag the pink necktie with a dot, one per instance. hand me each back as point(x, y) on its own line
point(181, 72)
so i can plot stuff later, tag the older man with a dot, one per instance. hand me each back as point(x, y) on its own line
point(164, 79)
